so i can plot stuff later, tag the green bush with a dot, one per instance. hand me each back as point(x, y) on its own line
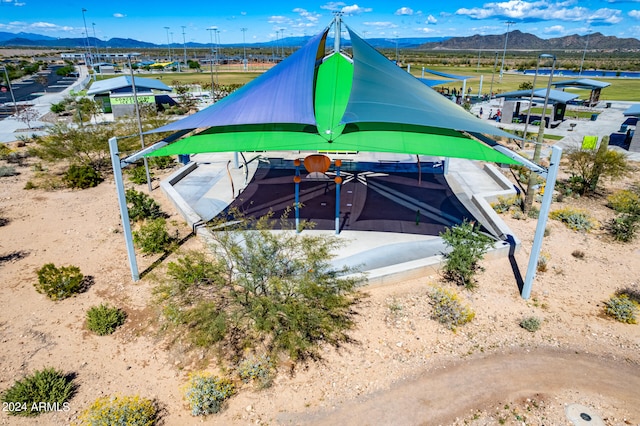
point(6, 171)
point(59, 283)
point(623, 227)
point(82, 177)
point(622, 308)
point(206, 393)
point(468, 247)
point(259, 370)
point(531, 324)
point(58, 108)
point(120, 410)
point(44, 390)
point(448, 310)
point(141, 206)
point(574, 219)
point(624, 201)
point(104, 319)
point(164, 162)
point(138, 175)
point(152, 237)
point(504, 204)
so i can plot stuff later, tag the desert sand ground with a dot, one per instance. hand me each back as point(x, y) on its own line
point(404, 368)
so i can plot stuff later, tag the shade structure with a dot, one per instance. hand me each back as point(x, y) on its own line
point(315, 102)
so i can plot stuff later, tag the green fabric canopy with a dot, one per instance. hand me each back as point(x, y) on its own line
point(335, 99)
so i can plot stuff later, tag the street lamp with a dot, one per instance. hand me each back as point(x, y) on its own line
point(86, 35)
point(528, 200)
point(493, 74)
point(504, 52)
point(168, 45)
point(244, 48)
point(211, 59)
point(533, 89)
point(184, 46)
point(584, 53)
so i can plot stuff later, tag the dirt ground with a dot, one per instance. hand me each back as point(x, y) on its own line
point(404, 368)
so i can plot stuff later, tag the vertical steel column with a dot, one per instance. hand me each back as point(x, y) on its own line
point(556, 153)
point(124, 212)
point(338, 181)
point(296, 207)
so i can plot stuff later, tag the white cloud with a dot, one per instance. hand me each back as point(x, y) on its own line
point(380, 24)
point(44, 25)
point(333, 6)
point(243, 13)
point(425, 30)
point(555, 29)
point(119, 15)
point(310, 16)
point(540, 10)
point(634, 14)
point(355, 10)
point(277, 19)
point(404, 11)
point(431, 20)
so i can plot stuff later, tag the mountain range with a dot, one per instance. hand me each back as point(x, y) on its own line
point(517, 40)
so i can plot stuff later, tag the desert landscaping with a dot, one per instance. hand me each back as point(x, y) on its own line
point(401, 366)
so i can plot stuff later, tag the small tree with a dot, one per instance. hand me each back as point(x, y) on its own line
point(588, 166)
point(468, 247)
point(27, 116)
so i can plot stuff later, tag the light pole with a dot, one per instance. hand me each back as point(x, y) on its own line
point(137, 109)
point(86, 36)
point(244, 49)
point(282, 40)
point(218, 47)
point(168, 45)
point(533, 89)
point(96, 39)
point(15, 105)
point(211, 59)
point(528, 200)
point(584, 53)
point(493, 74)
point(504, 52)
point(184, 46)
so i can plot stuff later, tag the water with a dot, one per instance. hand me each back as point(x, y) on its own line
point(585, 73)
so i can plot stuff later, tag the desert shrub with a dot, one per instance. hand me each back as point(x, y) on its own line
point(578, 254)
point(278, 291)
point(6, 171)
point(531, 324)
point(448, 310)
point(259, 370)
point(543, 262)
point(206, 393)
point(104, 319)
point(59, 283)
point(533, 212)
point(141, 206)
point(82, 177)
point(4, 151)
point(153, 237)
point(58, 108)
point(120, 410)
point(623, 227)
point(622, 308)
point(47, 386)
point(624, 201)
point(138, 175)
point(163, 162)
point(468, 247)
point(587, 166)
point(505, 203)
point(577, 220)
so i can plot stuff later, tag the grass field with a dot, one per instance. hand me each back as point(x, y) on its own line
point(621, 89)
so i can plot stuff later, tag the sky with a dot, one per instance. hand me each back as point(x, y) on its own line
point(270, 20)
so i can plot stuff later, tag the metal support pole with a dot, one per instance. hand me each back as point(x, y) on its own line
point(556, 154)
point(338, 184)
point(13, 98)
point(296, 207)
point(124, 212)
point(338, 30)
